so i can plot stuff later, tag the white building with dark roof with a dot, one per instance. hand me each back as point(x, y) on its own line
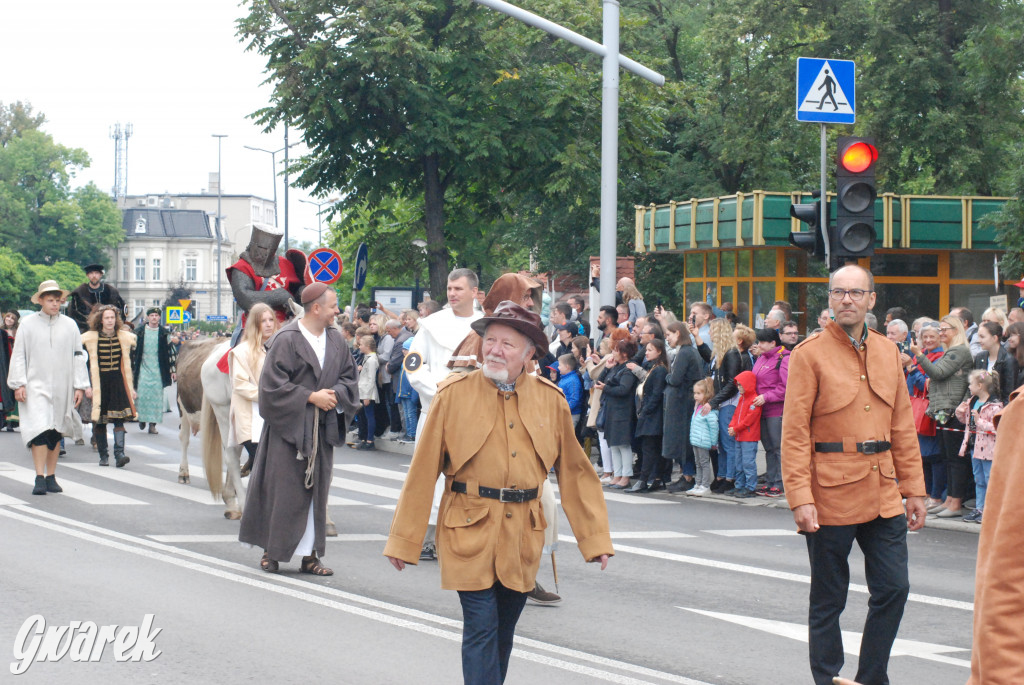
point(165, 246)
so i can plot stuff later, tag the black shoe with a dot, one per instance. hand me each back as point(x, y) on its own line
point(51, 484)
point(730, 491)
point(744, 493)
point(681, 485)
point(142, 426)
point(719, 485)
point(428, 553)
point(639, 486)
point(539, 595)
point(40, 488)
point(656, 485)
point(121, 461)
point(366, 446)
point(104, 460)
point(63, 452)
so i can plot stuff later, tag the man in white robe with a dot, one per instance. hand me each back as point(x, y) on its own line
point(437, 337)
point(49, 378)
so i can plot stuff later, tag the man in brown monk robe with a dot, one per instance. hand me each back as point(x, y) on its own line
point(308, 376)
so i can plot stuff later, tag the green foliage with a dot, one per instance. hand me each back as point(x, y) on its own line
point(1009, 222)
point(17, 118)
point(15, 278)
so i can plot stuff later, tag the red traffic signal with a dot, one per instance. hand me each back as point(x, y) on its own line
point(858, 157)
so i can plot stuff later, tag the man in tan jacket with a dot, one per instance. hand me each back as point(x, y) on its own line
point(997, 656)
point(491, 522)
point(849, 457)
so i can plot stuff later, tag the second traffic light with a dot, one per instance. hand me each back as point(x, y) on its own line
point(854, 233)
point(812, 240)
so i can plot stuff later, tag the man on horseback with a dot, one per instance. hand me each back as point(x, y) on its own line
point(260, 275)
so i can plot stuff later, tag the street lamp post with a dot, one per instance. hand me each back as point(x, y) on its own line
point(421, 245)
point(319, 216)
point(220, 188)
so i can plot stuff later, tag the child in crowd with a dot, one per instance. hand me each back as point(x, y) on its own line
point(571, 385)
point(368, 394)
point(408, 398)
point(703, 436)
point(977, 413)
point(746, 428)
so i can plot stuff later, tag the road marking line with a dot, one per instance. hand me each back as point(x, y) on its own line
point(753, 533)
point(625, 499)
point(6, 500)
point(649, 535)
point(199, 472)
point(83, 493)
point(164, 487)
point(372, 471)
point(366, 488)
point(220, 538)
point(246, 576)
point(770, 573)
point(150, 451)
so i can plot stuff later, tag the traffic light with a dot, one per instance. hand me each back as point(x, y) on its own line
point(812, 240)
point(854, 233)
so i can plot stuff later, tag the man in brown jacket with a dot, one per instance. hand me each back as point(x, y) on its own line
point(849, 457)
point(996, 656)
point(491, 522)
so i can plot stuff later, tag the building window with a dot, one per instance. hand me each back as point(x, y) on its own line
point(124, 268)
point(255, 212)
point(156, 303)
point(140, 268)
point(156, 269)
point(190, 269)
point(137, 307)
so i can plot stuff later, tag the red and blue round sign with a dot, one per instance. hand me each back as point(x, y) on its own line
point(324, 266)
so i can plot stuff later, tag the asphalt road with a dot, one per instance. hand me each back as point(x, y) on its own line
point(700, 591)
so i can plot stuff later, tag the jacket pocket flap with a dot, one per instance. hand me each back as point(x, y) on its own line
point(887, 468)
point(461, 517)
point(537, 516)
point(832, 473)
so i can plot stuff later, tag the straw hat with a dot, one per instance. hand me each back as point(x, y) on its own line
point(49, 287)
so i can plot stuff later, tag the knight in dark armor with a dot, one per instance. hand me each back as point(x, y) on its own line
point(93, 292)
point(260, 275)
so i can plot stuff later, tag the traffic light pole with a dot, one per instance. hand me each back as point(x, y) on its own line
point(823, 222)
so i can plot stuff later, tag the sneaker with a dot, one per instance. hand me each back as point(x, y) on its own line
point(605, 480)
point(639, 486)
point(428, 553)
point(366, 446)
point(744, 493)
point(698, 491)
point(973, 517)
point(761, 490)
point(656, 485)
point(731, 491)
point(681, 485)
point(773, 492)
point(406, 440)
point(539, 595)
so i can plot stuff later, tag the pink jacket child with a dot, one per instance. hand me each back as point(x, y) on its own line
point(985, 435)
point(746, 422)
point(772, 372)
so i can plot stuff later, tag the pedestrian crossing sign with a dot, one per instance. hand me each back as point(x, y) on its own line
point(825, 91)
point(175, 314)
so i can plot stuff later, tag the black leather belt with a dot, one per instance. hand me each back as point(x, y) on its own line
point(500, 494)
point(869, 447)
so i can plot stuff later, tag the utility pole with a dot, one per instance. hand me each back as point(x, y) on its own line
point(220, 191)
point(286, 146)
point(609, 50)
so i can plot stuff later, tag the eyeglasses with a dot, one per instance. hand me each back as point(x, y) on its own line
point(946, 328)
point(838, 294)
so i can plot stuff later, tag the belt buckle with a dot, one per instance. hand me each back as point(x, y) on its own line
point(507, 495)
point(869, 447)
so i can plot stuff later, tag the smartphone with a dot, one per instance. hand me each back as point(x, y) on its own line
point(913, 337)
point(905, 347)
point(373, 310)
point(693, 320)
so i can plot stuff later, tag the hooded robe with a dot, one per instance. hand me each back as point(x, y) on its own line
point(278, 503)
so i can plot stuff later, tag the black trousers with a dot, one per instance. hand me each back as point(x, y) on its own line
point(489, 620)
point(884, 544)
point(653, 465)
point(958, 469)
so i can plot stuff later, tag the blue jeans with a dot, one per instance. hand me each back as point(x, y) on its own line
point(726, 443)
point(489, 620)
point(367, 421)
point(746, 465)
point(411, 415)
point(982, 468)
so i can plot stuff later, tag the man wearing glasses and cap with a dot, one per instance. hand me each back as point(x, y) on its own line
point(91, 293)
point(491, 521)
point(849, 457)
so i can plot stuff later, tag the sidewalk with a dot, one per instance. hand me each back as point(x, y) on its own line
point(385, 445)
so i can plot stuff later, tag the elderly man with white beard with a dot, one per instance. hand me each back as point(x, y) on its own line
point(491, 522)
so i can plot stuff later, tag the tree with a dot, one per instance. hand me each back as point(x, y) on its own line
point(17, 118)
point(15, 280)
point(438, 100)
point(40, 215)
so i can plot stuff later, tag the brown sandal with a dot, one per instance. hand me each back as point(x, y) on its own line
point(313, 566)
point(268, 564)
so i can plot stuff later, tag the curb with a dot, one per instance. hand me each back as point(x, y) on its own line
point(392, 447)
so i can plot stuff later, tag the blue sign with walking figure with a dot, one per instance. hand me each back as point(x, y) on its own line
point(825, 91)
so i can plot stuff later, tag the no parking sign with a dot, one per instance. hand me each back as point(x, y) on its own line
point(324, 266)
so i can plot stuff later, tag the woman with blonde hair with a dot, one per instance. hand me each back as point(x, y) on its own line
point(996, 315)
point(632, 298)
point(245, 364)
point(110, 372)
point(726, 363)
point(947, 385)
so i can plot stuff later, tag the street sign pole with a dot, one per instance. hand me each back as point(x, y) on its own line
point(824, 200)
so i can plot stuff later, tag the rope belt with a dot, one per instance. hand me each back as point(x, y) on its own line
point(500, 494)
point(868, 447)
point(311, 459)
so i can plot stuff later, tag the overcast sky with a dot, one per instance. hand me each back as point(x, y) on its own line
point(174, 69)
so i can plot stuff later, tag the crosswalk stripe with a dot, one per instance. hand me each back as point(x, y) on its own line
point(7, 500)
point(221, 538)
point(72, 490)
point(626, 499)
point(367, 488)
point(143, 449)
point(371, 471)
point(637, 535)
point(753, 533)
point(164, 487)
point(200, 472)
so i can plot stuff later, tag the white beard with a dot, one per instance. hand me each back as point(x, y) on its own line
point(494, 375)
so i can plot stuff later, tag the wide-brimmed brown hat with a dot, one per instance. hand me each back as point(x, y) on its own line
point(515, 316)
point(49, 287)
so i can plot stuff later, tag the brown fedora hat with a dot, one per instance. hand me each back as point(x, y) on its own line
point(510, 314)
point(49, 287)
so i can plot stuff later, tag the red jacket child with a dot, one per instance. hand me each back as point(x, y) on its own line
point(746, 422)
